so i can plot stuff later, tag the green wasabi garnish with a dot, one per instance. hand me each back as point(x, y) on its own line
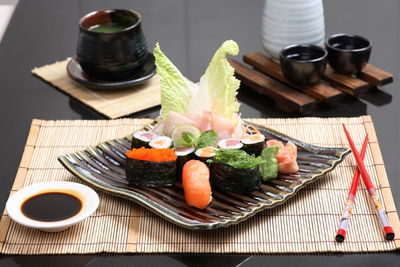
point(269, 168)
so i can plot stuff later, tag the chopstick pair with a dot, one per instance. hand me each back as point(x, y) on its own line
point(347, 211)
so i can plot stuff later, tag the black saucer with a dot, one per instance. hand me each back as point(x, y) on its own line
point(75, 72)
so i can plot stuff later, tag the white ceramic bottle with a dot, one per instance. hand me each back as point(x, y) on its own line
point(287, 22)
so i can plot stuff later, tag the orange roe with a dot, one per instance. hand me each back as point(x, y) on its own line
point(152, 154)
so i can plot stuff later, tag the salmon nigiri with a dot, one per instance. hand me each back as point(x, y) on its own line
point(287, 156)
point(196, 184)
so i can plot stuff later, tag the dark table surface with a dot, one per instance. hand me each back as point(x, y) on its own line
point(44, 31)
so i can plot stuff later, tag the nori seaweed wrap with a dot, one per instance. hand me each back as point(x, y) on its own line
point(150, 173)
point(142, 139)
point(228, 178)
point(253, 144)
point(151, 166)
point(184, 155)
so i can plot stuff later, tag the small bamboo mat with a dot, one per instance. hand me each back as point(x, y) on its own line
point(307, 223)
point(113, 104)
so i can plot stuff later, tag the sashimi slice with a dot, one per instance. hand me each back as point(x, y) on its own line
point(175, 118)
point(287, 156)
point(203, 121)
point(158, 128)
point(238, 131)
point(222, 126)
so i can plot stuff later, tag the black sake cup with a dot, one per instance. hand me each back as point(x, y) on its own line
point(303, 64)
point(113, 55)
point(348, 53)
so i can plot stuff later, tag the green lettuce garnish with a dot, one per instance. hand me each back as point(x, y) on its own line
point(236, 158)
point(269, 168)
point(174, 86)
point(221, 83)
point(205, 139)
point(188, 139)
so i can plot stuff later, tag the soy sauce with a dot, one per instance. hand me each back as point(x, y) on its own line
point(51, 206)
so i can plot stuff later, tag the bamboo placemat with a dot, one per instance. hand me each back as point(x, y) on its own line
point(113, 104)
point(306, 223)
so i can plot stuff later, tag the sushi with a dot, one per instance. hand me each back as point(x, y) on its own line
point(161, 142)
point(196, 184)
point(205, 153)
point(184, 155)
point(236, 171)
point(253, 144)
point(142, 138)
point(151, 166)
point(230, 143)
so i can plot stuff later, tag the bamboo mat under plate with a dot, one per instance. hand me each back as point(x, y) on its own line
point(113, 104)
point(304, 224)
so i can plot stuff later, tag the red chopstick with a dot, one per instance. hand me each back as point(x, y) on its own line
point(348, 209)
point(380, 210)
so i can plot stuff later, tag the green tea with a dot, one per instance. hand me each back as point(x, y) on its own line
point(108, 28)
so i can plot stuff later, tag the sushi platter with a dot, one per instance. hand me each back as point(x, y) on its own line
point(265, 77)
point(199, 165)
point(103, 167)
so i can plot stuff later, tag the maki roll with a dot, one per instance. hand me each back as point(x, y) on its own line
point(184, 155)
point(151, 166)
point(253, 144)
point(231, 143)
point(236, 171)
point(205, 153)
point(161, 142)
point(142, 139)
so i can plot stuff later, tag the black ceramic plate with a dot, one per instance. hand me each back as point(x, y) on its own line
point(75, 72)
point(103, 166)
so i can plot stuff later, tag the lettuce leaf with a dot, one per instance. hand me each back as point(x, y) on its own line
point(174, 86)
point(218, 86)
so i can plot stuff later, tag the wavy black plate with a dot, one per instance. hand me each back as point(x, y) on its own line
point(103, 166)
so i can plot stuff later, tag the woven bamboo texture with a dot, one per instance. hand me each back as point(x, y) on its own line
point(306, 223)
point(112, 104)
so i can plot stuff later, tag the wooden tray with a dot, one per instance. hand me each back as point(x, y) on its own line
point(267, 78)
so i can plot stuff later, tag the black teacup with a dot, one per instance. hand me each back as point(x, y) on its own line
point(348, 53)
point(303, 64)
point(111, 44)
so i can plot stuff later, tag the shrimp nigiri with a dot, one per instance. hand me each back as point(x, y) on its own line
point(196, 184)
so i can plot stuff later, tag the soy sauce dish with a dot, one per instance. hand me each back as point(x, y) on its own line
point(52, 206)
